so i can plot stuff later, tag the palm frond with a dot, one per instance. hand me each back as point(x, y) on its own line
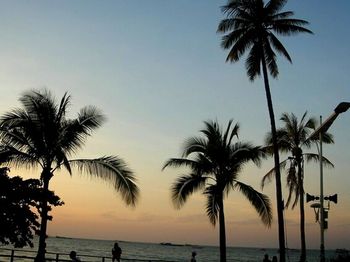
point(282, 15)
point(236, 7)
point(238, 46)
point(292, 184)
point(327, 138)
point(13, 119)
point(62, 108)
point(182, 162)
point(292, 194)
point(243, 152)
point(90, 118)
point(194, 145)
point(62, 160)
point(288, 30)
point(297, 196)
point(73, 133)
point(253, 62)
point(230, 133)
point(316, 158)
point(212, 206)
point(231, 24)
point(114, 170)
point(12, 157)
point(270, 58)
point(185, 186)
point(271, 174)
point(279, 46)
point(260, 202)
point(273, 6)
point(211, 130)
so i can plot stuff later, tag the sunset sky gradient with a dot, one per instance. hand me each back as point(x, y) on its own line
point(156, 70)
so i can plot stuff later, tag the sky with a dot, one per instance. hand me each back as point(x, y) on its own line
point(156, 70)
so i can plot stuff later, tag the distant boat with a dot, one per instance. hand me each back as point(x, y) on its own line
point(63, 237)
point(179, 245)
point(171, 244)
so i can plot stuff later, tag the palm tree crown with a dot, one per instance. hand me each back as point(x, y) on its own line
point(292, 138)
point(215, 162)
point(39, 133)
point(251, 24)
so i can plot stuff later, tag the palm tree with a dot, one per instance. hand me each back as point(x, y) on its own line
point(215, 162)
point(252, 24)
point(40, 134)
point(292, 138)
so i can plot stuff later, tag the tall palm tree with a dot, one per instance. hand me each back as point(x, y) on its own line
point(40, 134)
point(215, 162)
point(292, 138)
point(253, 25)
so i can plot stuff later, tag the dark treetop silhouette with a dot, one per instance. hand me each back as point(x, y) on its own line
point(40, 134)
point(18, 197)
point(252, 25)
point(292, 138)
point(215, 163)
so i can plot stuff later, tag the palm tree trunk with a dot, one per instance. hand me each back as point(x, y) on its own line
point(302, 212)
point(222, 231)
point(40, 257)
point(281, 235)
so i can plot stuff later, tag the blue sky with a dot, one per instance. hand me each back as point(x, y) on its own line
point(157, 71)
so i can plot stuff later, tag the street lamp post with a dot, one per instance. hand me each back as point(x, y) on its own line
point(324, 126)
point(322, 255)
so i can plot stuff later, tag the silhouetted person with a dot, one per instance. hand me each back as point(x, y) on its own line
point(116, 252)
point(73, 256)
point(274, 259)
point(193, 258)
point(266, 258)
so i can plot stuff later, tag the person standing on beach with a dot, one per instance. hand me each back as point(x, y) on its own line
point(266, 258)
point(116, 252)
point(73, 256)
point(193, 258)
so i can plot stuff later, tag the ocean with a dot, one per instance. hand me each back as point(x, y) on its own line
point(133, 251)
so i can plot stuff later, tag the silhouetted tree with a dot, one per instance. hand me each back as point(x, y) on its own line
point(40, 134)
point(292, 138)
point(252, 25)
point(18, 197)
point(215, 163)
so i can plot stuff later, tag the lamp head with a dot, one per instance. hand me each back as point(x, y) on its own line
point(342, 107)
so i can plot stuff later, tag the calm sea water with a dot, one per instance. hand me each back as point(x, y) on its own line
point(152, 251)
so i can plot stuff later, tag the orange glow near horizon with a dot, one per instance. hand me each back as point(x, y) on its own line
point(156, 76)
point(94, 210)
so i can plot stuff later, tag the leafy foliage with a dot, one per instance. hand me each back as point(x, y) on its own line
point(18, 198)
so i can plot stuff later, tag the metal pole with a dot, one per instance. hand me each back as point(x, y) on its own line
point(12, 255)
point(322, 254)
